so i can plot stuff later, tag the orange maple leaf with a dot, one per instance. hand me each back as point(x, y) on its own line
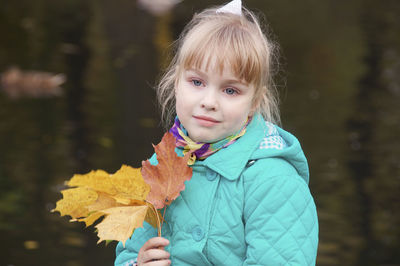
point(166, 179)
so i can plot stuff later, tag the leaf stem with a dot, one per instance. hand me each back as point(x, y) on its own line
point(163, 216)
point(158, 220)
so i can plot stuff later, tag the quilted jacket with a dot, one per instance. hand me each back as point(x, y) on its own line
point(247, 204)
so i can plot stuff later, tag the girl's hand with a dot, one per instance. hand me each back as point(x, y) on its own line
point(153, 254)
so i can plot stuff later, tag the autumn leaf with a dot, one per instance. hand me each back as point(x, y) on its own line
point(166, 179)
point(130, 185)
point(125, 185)
point(119, 197)
point(97, 180)
point(103, 201)
point(154, 217)
point(75, 202)
point(121, 202)
point(120, 222)
point(92, 218)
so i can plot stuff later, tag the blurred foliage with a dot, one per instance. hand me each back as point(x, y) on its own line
point(340, 82)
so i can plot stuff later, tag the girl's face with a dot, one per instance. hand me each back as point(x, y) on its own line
point(212, 106)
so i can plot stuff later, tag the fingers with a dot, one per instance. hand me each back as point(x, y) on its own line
point(152, 253)
point(155, 242)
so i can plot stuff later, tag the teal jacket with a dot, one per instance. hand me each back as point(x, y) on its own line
point(247, 204)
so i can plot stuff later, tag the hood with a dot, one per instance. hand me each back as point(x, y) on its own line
point(261, 140)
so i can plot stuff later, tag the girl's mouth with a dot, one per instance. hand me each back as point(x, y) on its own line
point(206, 121)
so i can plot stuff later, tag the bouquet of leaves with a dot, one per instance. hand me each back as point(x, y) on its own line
point(124, 200)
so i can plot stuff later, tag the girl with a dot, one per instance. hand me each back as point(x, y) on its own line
point(248, 201)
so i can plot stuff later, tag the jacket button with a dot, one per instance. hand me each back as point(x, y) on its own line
point(211, 175)
point(197, 233)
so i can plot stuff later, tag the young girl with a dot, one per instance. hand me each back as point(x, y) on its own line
point(248, 201)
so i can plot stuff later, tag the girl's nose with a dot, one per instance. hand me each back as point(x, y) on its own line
point(209, 100)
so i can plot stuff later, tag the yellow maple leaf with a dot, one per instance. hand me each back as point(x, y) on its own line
point(103, 201)
point(92, 218)
point(119, 197)
point(120, 222)
point(125, 185)
point(98, 180)
point(75, 202)
point(129, 184)
point(123, 198)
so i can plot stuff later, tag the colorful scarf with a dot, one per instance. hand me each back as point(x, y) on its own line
point(200, 150)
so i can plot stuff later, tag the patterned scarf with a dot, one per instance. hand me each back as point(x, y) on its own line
point(200, 150)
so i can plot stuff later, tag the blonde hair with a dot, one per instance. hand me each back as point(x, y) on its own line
point(224, 39)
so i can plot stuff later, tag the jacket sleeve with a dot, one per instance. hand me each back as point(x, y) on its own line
point(126, 254)
point(281, 224)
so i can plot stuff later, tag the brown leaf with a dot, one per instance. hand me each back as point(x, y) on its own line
point(167, 178)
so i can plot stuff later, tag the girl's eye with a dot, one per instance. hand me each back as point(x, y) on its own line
point(230, 91)
point(196, 82)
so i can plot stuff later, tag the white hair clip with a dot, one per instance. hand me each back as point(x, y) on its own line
point(234, 7)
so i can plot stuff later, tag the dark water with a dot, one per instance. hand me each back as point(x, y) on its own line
point(340, 96)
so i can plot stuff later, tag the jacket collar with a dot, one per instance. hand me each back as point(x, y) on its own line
point(230, 161)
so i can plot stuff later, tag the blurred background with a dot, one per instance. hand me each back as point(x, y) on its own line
point(76, 94)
